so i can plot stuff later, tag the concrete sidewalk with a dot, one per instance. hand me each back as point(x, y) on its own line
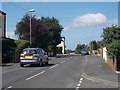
point(97, 69)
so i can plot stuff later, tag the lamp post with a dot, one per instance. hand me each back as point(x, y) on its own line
point(32, 10)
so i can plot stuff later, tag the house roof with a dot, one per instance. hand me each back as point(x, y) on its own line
point(2, 12)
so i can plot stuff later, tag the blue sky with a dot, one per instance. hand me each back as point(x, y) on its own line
point(82, 21)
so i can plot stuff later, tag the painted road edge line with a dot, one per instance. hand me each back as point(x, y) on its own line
point(35, 75)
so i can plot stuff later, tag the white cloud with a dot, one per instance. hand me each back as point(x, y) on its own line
point(90, 20)
point(66, 28)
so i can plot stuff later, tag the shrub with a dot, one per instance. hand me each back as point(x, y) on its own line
point(21, 44)
point(8, 48)
point(8, 44)
point(114, 48)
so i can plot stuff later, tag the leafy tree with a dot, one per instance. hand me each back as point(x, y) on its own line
point(68, 51)
point(114, 48)
point(79, 48)
point(39, 33)
point(114, 51)
point(54, 29)
point(93, 45)
point(110, 34)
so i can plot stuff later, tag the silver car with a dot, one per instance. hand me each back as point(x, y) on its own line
point(33, 56)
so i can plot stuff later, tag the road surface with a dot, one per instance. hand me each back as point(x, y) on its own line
point(67, 71)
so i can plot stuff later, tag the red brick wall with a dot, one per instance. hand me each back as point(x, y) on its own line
point(112, 64)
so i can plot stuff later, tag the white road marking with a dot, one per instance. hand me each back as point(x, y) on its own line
point(77, 88)
point(8, 87)
point(78, 84)
point(81, 79)
point(62, 61)
point(35, 75)
point(54, 66)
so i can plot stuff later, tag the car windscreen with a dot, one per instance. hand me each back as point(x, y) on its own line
point(30, 52)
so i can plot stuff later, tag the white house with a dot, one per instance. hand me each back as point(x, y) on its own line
point(104, 53)
point(62, 44)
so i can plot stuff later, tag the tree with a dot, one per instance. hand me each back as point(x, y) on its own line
point(110, 34)
point(113, 50)
point(39, 33)
point(93, 45)
point(79, 48)
point(54, 29)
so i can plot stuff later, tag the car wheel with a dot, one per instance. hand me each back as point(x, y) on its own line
point(47, 61)
point(21, 65)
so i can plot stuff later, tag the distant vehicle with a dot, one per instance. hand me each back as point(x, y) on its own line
point(84, 51)
point(33, 56)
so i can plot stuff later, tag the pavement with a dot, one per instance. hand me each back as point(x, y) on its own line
point(97, 70)
point(63, 71)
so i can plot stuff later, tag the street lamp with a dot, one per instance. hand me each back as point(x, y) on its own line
point(32, 10)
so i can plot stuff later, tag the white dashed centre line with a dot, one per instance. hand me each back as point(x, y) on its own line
point(62, 61)
point(35, 75)
point(54, 66)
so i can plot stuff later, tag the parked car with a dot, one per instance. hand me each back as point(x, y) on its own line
point(84, 51)
point(33, 56)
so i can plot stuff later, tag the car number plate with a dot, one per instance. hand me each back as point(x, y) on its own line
point(28, 56)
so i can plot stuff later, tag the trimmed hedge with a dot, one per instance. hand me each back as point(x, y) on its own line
point(8, 49)
point(21, 44)
point(114, 48)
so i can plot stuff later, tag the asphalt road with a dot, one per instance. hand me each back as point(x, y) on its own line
point(64, 72)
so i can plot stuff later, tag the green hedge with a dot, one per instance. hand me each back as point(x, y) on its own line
point(114, 48)
point(21, 44)
point(8, 44)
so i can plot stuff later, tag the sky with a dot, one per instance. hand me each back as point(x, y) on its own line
point(82, 21)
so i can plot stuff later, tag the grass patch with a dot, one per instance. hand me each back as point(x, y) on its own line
point(103, 60)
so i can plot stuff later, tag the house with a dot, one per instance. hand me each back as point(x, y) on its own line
point(2, 24)
point(62, 46)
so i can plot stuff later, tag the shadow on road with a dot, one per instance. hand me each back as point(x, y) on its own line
point(48, 65)
point(5, 65)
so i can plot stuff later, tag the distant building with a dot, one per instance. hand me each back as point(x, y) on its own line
point(62, 45)
point(2, 24)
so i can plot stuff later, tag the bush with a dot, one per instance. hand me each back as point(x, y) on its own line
point(8, 48)
point(8, 44)
point(21, 44)
point(114, 48)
